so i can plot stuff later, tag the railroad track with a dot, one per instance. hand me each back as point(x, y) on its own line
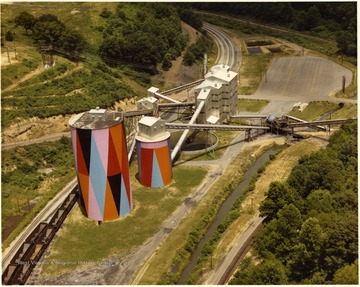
point(239, 256)
point(26, 250)
point(228, 50)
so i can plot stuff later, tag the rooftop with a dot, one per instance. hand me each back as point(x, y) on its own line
point(95, 119)
point(148, 99)
point(203, 94)
point(149, 121)
point(221, 72)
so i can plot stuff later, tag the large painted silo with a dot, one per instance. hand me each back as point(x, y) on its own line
point(153, 153)
point(99, 145)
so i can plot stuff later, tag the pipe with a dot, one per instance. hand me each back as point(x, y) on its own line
point(131, 149)
point(185, 133)
point(248, 116)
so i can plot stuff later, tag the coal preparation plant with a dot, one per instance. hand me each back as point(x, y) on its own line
point(100, 152)
point(219, 92)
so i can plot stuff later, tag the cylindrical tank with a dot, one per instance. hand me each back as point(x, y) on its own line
point(270, 119)
point(154, 161)
point(99, 145)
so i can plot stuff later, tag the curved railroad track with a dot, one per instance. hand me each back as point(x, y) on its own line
point(228, 51)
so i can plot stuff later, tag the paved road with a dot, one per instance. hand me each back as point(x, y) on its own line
point(53, 137)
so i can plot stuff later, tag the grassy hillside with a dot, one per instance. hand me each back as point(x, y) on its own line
point(29, 90)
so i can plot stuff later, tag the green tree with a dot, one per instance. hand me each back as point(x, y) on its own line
point(277, 197)
point(348, 274)
point(166, 64)
point(313, 239)
point(313, 17)
point(321, 170)
point(48, 30)
point(189, 58)
point(341, 245)
point(26, 21)
point(319, 201)
point(345, 42)
point(280, 235)
point(9, 36)
point(72, 41)
point(269, 272)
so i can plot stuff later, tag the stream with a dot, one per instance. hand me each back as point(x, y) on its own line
point(222, 213)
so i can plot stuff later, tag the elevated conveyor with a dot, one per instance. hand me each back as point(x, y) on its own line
point(186, 131)
point(213, 127)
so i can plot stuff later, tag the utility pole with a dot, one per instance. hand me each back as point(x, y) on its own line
point(15, 52)
point(18, 205)
point(7, 49)
point(205, 63)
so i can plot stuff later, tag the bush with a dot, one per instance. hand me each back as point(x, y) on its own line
point(9, 36)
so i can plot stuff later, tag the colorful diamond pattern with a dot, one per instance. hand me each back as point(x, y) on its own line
point(103, 171)
point(154, 162)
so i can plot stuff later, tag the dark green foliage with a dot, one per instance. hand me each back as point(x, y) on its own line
point(335, 21)
point(25, 20)
point(191, 18)
point(322, 170)
point(9, 36)
point(166, 63)
point(189, 58)
point(312, 218)
point(278, 196)
point(105, 13)
point(270, 272)
point(49, 30)
point(196, 51)
point(142, 41)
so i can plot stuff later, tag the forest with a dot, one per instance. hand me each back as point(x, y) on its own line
point(335, 21)
point(311, 231)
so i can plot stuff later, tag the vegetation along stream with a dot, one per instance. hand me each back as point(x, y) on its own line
point(222, 213)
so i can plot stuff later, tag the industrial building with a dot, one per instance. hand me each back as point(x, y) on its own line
point(153, 152)
point(219, 93)
point(102, 168)
point(146, 103)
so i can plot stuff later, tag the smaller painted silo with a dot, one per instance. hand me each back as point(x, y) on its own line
point(153, 153)
point(102, 167)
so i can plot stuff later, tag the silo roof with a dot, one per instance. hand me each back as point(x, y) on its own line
point(96, 119)
point(149, 121)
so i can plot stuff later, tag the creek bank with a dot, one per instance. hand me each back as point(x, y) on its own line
point(222, 213)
